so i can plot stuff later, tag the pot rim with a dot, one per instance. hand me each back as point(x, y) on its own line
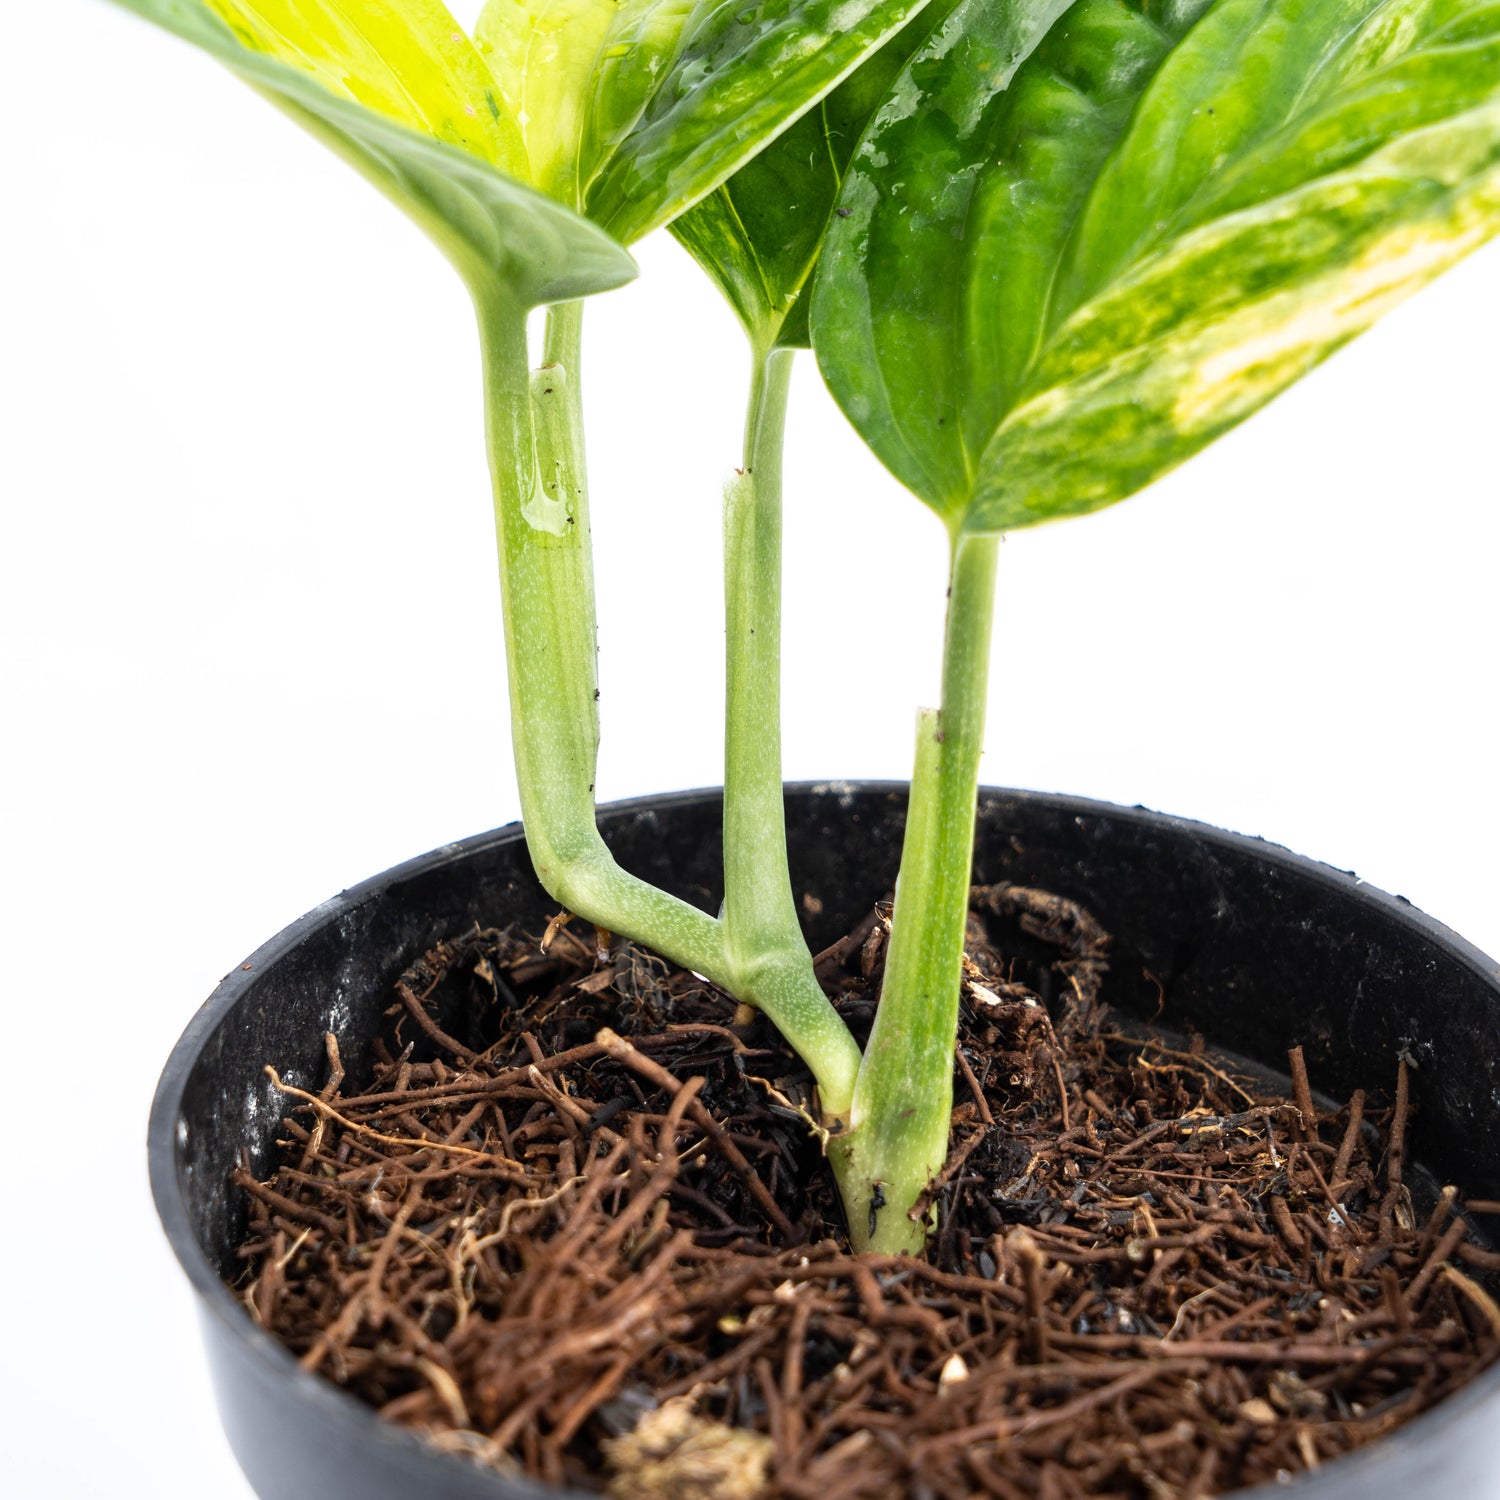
point(337, 1405)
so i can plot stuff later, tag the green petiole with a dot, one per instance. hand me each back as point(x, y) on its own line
point(904, 1096)
point(755, 951)
point(761, 931)
point(535, 440)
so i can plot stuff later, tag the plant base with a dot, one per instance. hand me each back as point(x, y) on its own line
point(1143, 1280)
point(197, 1127)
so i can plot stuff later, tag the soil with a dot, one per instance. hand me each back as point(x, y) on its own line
point(576, 1225)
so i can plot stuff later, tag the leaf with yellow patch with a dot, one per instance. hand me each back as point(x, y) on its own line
point(1049, 288)
point(623, 112)
point(575, 76)
point(412, 63)
point(403, 95)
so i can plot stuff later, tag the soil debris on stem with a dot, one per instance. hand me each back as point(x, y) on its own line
point(572, 1222)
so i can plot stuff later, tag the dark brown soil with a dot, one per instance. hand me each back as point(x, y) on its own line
point(605, 1250)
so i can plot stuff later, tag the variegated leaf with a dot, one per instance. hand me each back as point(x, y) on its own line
point(1049, 289)
point(575, 76)
point(404, 97)
point(625, 112)
point(742, 73)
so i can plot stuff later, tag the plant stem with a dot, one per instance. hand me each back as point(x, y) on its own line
point(533, 430)
point(904, 1096)
point(764, 940)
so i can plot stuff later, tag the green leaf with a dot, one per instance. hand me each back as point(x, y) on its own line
point(406, 99)
point(758, 235)
point(741, 74)
point(1050, 289)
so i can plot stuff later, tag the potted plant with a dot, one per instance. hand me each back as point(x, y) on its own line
point(1309, 208)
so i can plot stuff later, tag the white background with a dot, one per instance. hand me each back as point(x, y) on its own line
point(249, 644)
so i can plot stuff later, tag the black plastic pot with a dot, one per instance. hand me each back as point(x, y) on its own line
point(1255, 947)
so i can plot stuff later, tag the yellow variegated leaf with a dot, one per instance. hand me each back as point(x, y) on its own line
point(575, 76)
point(1200, 336)
point(411, 62)
point(626, 111)
point(1046, 289)
point(401, 94)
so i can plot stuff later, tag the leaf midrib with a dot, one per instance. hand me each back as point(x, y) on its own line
point(760, 268)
